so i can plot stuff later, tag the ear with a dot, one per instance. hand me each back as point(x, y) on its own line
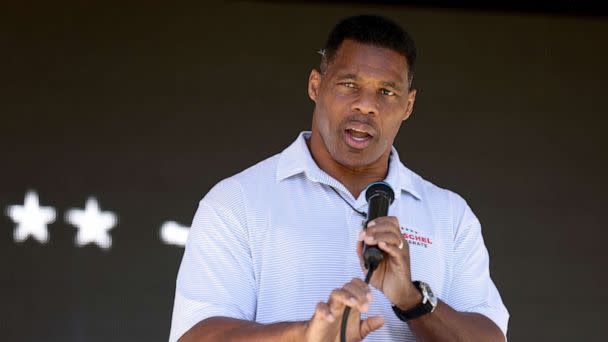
point(411, 98)
point(314, 82)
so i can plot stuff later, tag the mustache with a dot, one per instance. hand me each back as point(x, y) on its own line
point(360, 118)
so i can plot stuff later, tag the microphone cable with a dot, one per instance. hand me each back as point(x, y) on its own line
point(379, 196)
point(368, 277)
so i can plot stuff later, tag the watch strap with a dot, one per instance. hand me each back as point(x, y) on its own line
point(422, 308)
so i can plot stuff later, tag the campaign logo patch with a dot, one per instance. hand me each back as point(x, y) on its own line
point(415, 238)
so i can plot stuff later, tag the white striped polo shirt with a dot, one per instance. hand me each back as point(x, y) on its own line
point(269, 243)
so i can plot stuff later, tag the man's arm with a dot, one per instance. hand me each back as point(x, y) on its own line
point(444, 324)
point(393, 278)
point(223, 329)
point(323, 326)
point(447, 324)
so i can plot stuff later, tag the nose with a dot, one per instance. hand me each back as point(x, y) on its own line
point(366, 103)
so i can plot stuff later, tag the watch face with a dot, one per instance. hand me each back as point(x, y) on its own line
point(428, 294)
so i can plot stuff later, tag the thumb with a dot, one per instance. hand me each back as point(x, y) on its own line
point(360, 255)
point(371, 324)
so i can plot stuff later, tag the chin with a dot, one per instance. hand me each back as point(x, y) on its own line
point(354, 161)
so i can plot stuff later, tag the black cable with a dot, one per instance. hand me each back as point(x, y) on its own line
point(368, 277)
point(350, 205)
point(373, 262)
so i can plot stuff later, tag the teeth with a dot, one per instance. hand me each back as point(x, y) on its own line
point(358, 135)
point(358, 131)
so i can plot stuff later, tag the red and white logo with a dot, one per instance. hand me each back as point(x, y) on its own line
point(415, 238)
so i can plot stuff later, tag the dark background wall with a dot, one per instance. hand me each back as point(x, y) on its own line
point(145, 107)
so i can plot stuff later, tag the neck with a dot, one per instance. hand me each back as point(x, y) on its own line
point(354, 179)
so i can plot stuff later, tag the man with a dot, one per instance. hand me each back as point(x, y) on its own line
point(274, 252)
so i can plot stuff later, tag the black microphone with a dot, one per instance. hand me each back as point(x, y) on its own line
point(379, 197)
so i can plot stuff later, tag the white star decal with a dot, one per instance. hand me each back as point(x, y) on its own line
point(31, 219)
point(173, 233)
point(93, 225)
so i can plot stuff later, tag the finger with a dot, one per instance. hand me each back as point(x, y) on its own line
point(322, 312)
point(390, 221)
point(359, 289)
point(336, 302)
point(360, 255)
point(353, 325)
point(338, 299)
point(363, 285)
point(393, 249)
point(371, 324)
point(360, 245)
point(377, 228)
point(352, 295)
point(382, 228)
point(373, 238)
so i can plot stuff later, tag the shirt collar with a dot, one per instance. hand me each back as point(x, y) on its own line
point(297, 159)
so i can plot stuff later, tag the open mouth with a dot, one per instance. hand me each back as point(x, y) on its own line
point(358, 136)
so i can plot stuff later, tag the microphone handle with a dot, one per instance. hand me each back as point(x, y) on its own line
point(378, 206)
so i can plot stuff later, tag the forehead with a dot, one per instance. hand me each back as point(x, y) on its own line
point(365, 60)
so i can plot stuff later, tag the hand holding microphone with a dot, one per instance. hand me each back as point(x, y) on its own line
point(379, 197)
point(384, 250)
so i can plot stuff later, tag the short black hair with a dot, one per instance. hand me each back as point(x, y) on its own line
point(374, 30)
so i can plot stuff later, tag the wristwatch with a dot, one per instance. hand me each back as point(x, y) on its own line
point(429, 302)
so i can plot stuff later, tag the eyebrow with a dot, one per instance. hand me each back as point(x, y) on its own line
point(391, 84)
point(348, 77)
point(354, 77)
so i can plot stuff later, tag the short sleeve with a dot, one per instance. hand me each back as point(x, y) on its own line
point(472, 289)
point(215, 277)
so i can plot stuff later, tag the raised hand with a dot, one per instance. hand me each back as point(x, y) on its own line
point(393, 275)
point(326, 322)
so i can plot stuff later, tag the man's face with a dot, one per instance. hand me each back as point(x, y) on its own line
point(360, 101)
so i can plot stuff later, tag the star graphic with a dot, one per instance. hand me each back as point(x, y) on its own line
point(173, 233)
point(93, 225)
point(31, 219)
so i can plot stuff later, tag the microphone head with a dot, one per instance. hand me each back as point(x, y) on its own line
point(380, 188)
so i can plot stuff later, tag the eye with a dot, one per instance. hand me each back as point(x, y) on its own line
point(348, 84)
point(387, 92)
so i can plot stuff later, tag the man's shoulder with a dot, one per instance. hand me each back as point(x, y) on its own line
point(263, 173)
point(249, 181)
point(431, 192)
point(258, 180)
point(445, 204)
